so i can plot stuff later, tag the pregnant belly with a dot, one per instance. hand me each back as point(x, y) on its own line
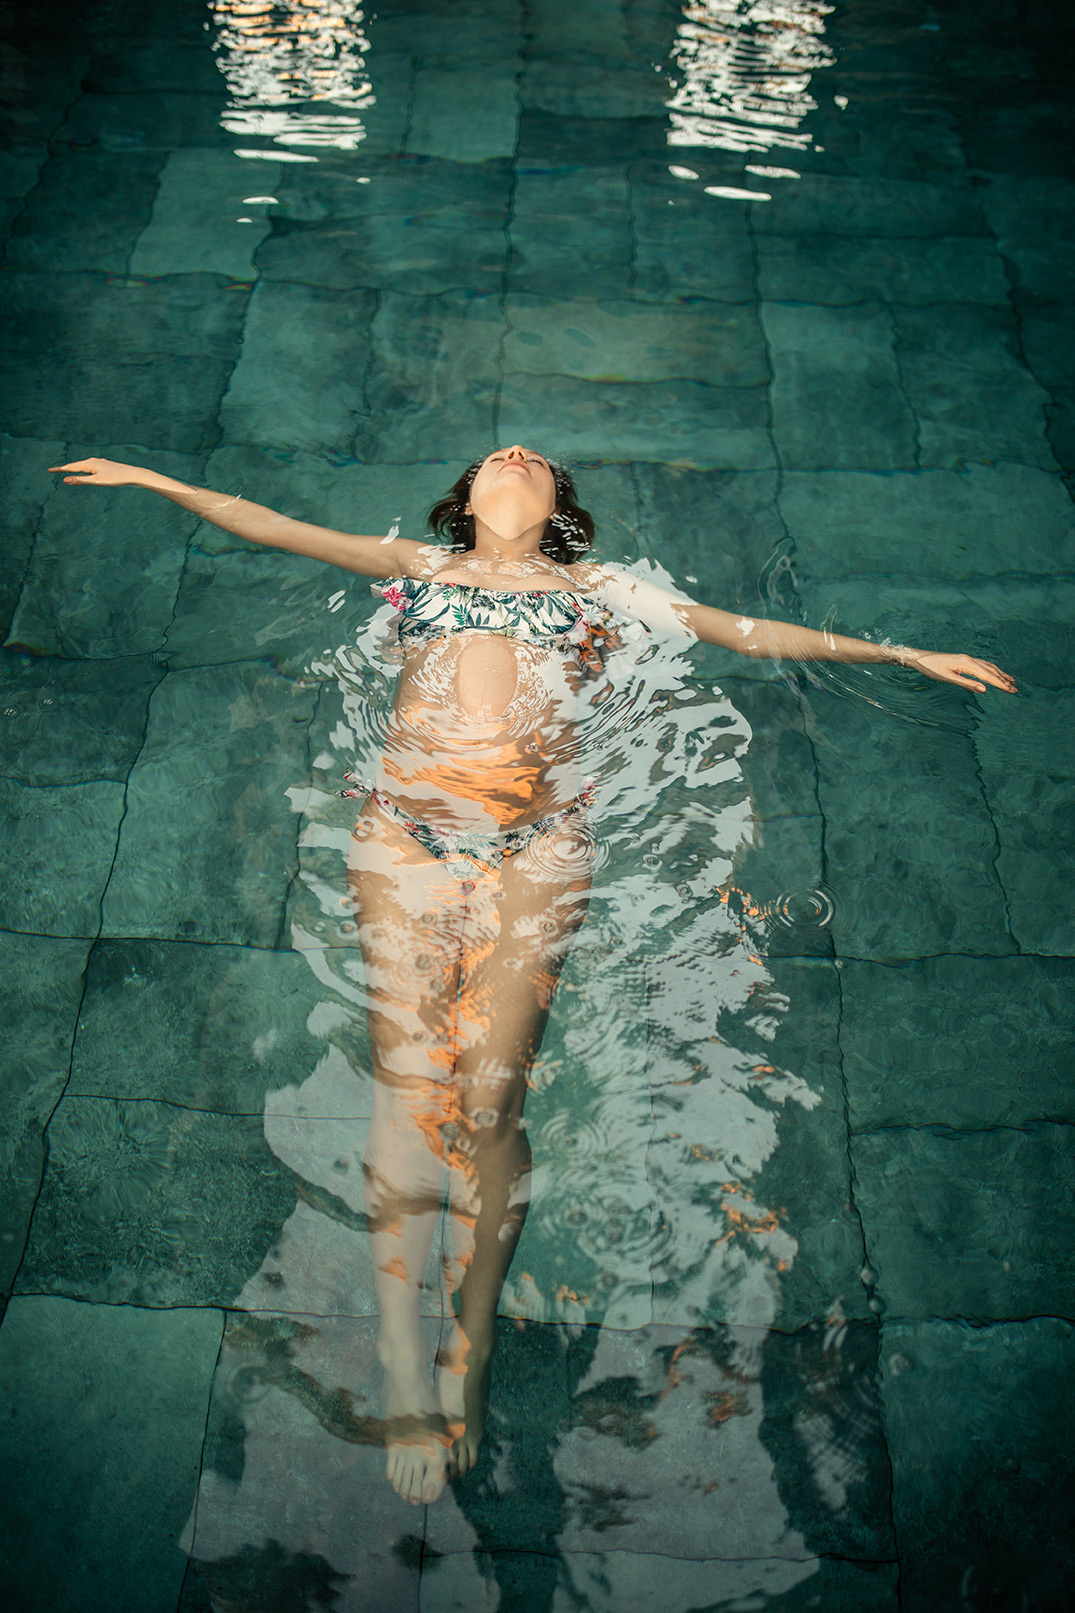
point(481, 737)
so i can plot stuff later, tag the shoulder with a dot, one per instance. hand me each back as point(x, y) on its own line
point(590, 575)
point(420, 560)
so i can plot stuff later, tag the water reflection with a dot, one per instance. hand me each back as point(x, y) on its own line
point(742, 74)
point(281, 58)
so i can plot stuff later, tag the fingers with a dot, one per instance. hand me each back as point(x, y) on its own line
point(972, 671)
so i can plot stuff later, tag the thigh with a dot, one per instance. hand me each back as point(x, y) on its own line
point(409, 912)
point(513, 952)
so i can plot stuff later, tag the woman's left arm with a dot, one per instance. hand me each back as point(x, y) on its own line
point(785, 641)
point(769, 640)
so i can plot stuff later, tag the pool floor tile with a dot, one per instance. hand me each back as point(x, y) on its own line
point(303, 350)
point(957, 1041)
point(300, 1394)
point(107, 1447)
point(836, 395)
point(968, 384)
point(217, 1027)
point(982, 1505)
point(45, 889)
point(151, 1204)
point(210, 732)
point(968, 1223)
point(933, 523)
point(37, 1024)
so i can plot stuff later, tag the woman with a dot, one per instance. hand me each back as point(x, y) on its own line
point(470, 870)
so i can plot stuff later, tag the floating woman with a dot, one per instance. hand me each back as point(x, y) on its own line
point(470, 871)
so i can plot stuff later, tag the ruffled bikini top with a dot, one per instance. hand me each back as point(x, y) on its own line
point(556, 617)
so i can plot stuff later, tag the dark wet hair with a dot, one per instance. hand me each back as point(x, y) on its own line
point(568, 534)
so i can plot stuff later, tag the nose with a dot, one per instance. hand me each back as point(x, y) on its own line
point(515, 452)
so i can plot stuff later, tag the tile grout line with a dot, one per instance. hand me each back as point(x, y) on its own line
point(189, 1555)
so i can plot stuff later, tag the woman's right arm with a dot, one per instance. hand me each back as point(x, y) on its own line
point(371, 556)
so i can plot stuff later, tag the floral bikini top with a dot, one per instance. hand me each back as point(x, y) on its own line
point(556, 617)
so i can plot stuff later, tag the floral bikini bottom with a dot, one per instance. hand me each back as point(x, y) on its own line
point(467, 851)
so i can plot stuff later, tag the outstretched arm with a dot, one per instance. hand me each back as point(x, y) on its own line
point(765, 639)
point(371, 556)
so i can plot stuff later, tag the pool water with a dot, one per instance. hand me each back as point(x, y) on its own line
point(790, 285)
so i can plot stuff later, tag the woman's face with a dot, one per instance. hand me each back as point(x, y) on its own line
point(515, 489)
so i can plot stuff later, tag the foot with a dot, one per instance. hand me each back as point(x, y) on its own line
point(464, 1372)
point(416, 1439)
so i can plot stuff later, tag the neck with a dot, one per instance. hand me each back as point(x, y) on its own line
point(497, 546)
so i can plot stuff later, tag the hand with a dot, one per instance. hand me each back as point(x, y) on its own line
point(101, 473)
point(963, 670)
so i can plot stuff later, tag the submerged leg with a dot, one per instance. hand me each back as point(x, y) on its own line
point(410, 919)
point(519, 928)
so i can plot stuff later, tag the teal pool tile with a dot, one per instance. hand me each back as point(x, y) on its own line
point(239, 606)
point(24, 466)
point(714, 531)
point(19, 168)
point(634, 341)
point(1027, 759)
point(56, 231)
point(604, 142)
point(611, 1581)
point(105, 568)
point(971, 391)
point(666, 1452)
point(1031, 214)
point(299, 379)
point(46, 889)
point(223, 747)
point(570, 215)
point(433, 390)
point(567, 83)
point(699, 425)
point(825, 1434)
point(1060, 415)
point(138, 361)
point(828, 269)
point(104, 1418)
point(201, 222)
point(778, 763)
point(138, 118)
point(828, 204)
point(219, 1027)
point(396, 190)
point(420, 254)
point(611, 494)
point(972, 1224)
point(911, 868)
point(149, 1203)
point(1047, 332)
point(836, 394)
point(748, 1156)
point(980, 1425)
point(37, 1014)
point(70, 722)
point(799, 1197)
point(963, 1042)
point(688, 244)
point(166, 51)
point(946, 524)
point(472, 127)
point(299, 1394)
